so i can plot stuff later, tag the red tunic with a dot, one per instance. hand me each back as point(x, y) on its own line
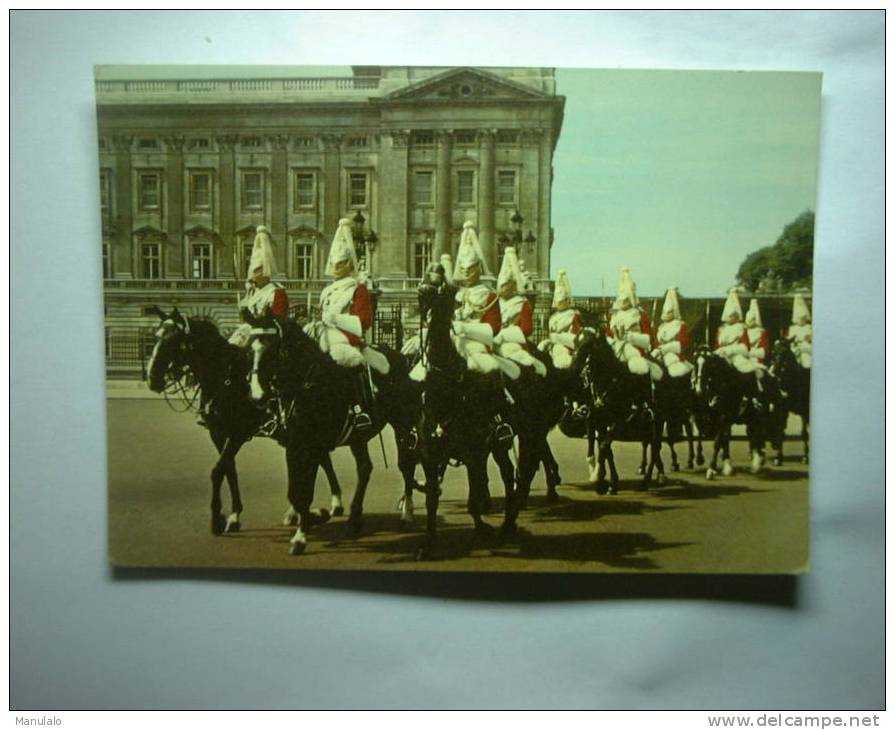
point(525, 319)
point(362, 308)
point(491, 315)
point(280, 306)
point(764, 342)
point(575, 327)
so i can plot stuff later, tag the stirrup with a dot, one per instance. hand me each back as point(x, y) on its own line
point(360, 419)
point(503, 433)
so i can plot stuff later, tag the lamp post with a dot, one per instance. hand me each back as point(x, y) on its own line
point(363, 242)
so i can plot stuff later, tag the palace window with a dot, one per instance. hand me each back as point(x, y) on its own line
point(423, 139)
point(422, 254)
point(465, 137)
point(201, 260)
point(200, 191)
point(357, 142)
point(105, 194)
point(304, 190)
point(304, 142)
point(251, 143)
point(252, 191)
point(507, 136)
point(422, 187)
point(200, 143)
point(357, 189)
point(304, 260)
point(466, 187)
point(150, 261)
point(246, 244)
point(506, 187)
point(147, 143)
point(149, 190)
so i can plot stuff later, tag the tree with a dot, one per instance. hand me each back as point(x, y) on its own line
point(791, 258)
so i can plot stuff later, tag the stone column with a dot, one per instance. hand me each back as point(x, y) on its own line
point(176, 258)
point(392, 252)
point(332, 183)
point(443, 243)
point(279, 205)
point(227, 170)
point(545, 183)
point(486, 198)
point(122, 252)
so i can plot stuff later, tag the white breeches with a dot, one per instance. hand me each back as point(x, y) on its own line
point(336, 345)
point(676, 367)
point(477, 357)
point(802, 352)
point(242, 336)
point(636, 362)
point(518, 354)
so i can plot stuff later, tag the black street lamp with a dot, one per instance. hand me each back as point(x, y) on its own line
point(363, 241)
point(517, 220)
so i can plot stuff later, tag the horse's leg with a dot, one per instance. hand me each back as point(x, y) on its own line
point(591, 459)
point(674, 430)
point(613, 472)
point(432, 471)
point(712, 469)
point(656, 452)
point(551, 471)
point(221, 443)
point(805, 438)
point(477, 475)
point(233, 523)
point(700, 457)
point(688, 431)
point(507, 476)
point(302, 467)
point(407, 466)
point(726, 463)
point(335, 489)
point(364, 468)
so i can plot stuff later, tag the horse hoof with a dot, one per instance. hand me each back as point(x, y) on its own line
point(710, 474)
point(552, 496)
point(661, 479)
point(423, 553)
point(484, 530)
point(601, 488)
point(298, 547)
point(290, 519)
point(727, 469)
point(338, 511)
point(641, 470)
point(613, 489)
point(508, 532)
point(356, 523)
point(690, 465)
point(700, 460)
point(233, 525)
point(675, 467)
point(320, 517)
point(218, 524)
point(778, 461)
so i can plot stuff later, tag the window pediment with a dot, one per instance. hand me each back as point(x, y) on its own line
point(466, 84)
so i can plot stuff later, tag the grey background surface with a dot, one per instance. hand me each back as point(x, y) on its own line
point(84, 637)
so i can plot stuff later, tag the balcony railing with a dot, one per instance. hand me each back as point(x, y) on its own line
point(149, 89)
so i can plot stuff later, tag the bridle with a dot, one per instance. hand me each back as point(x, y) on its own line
point(181, 388)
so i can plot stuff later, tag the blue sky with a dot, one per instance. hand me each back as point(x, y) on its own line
point(679, 175)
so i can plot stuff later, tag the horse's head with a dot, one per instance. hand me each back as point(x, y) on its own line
point(170, 353)
point(707, 367)
point(782, 359)
point(595, 363)
point(436, 296)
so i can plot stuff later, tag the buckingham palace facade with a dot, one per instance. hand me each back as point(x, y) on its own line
point(190, 167)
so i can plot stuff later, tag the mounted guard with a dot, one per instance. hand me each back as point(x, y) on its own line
point(799, 332)
point(759, 342)
point(346, 320)
point(732, 340)
point(563, 326)
point(515, 315)
point(264, 307)
point(630, 330)
point(672, 338)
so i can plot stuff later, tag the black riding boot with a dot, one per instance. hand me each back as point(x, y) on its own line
point(501, 403)
point(360, 411)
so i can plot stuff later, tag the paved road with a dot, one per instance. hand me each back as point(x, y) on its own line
point(159, 494)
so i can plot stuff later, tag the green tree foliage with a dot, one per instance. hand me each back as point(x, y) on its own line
point(791, 258)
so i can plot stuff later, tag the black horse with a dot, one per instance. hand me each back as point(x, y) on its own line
point(724, 397)
point(678, 404)
point(316, 397)
point(794, 382)
point(190, 345)
point(457, 415)
point(621, 406)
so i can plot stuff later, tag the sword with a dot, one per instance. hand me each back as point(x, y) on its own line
point(381, 440)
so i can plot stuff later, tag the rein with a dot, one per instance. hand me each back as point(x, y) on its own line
point(183, 389)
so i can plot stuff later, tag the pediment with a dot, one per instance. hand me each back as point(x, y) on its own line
point(466, 84)
point(200, 231)
point(149, 232)
point(305, 231)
